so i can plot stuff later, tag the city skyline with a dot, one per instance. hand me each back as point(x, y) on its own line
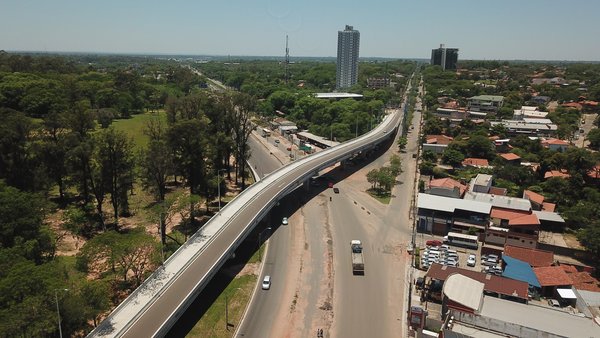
point(509, 30)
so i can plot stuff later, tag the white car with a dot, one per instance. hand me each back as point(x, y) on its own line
point(471, 260)
point(266, 283)
point(284, 221)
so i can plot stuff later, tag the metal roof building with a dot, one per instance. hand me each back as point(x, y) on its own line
point(447, 204)
point(498, 201)
point(519, 270)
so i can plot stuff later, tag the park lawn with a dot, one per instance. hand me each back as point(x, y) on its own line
point(134, 127)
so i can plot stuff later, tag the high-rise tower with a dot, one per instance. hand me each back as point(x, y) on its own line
point(347, 58)
point(445, 57)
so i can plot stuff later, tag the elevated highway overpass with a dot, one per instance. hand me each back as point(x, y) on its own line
point(156, 305)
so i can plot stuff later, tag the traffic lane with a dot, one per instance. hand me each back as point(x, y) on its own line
point(153, 316)
point(265, 303)
point(260, 158)
point(356, 297)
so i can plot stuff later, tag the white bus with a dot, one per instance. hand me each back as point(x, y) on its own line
point(457, 239)
point(266, 132)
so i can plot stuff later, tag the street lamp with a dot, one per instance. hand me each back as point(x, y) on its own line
point(259, 240)
point(219, 185)
point(58, 309)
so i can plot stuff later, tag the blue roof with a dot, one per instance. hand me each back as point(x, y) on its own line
point(519, 270)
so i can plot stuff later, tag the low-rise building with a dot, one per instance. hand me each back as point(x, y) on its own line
point(446, 187)
point(439, 214)
point(552, 278)
point(476, 162)
point(485, 103)
point(556, 144)
point(529, 112)
point(518, 127)
point(534, 257)
point(378, 82)
point(481, 183)
point(436, 143)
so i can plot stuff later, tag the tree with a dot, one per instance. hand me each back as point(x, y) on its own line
point(395, 165)
point(21, 223)
point(188, 141)
point(156, 163)
point(480, 146)
point(114, 154)
point(386, 178)
point(453, 157)
point(402, 142)
point(15, 156)
point(372, 177)
point(590, 239)
point(594, 138)
point(241, 130)
point(132, 253)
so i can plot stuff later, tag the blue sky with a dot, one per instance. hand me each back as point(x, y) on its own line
point(481, 29)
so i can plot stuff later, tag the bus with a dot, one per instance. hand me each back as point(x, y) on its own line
point(266, 132)
point(458, 239)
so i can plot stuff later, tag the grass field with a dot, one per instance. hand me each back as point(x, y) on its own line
point(134, 127)
point(212, 324)
point(383, 197)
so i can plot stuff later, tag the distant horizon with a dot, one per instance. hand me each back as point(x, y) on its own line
point(485, 30)
point(223, 56)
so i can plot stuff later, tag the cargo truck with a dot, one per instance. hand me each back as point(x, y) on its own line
point(358, 263)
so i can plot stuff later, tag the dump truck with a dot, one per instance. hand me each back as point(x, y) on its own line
point(358, 263)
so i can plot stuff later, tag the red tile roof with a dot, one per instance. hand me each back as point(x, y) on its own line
point(568, 268)
point(475, 162)
point(534, 257)
point(510, 156)
point(581, 280)
point(556, 173)
point(448, 183)
point(572, 105)
point(515, 217)
point(547, 206)
point(533, 196)
point(590, 103)
point(498, 191)
point(438, 139)
point(552, 276)
point(555, 141)
point(497, 284)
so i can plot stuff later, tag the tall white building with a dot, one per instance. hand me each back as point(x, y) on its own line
point(347, 57)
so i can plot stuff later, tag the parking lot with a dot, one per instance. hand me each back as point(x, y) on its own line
point(460, 255)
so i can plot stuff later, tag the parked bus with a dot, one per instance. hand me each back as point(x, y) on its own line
point(458, 239)
point(266, 132)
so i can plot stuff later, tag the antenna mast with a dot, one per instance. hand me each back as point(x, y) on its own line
point(287, 60)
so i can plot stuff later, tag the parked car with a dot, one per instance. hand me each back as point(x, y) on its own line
point(433, 242)
point(471, 260)
point(276, 141)
point(553, 303)
point(266, 283)
point(336, 190)
point(284, 221)
point(489, 262)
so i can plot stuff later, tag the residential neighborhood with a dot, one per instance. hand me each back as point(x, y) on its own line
point(505, 218)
